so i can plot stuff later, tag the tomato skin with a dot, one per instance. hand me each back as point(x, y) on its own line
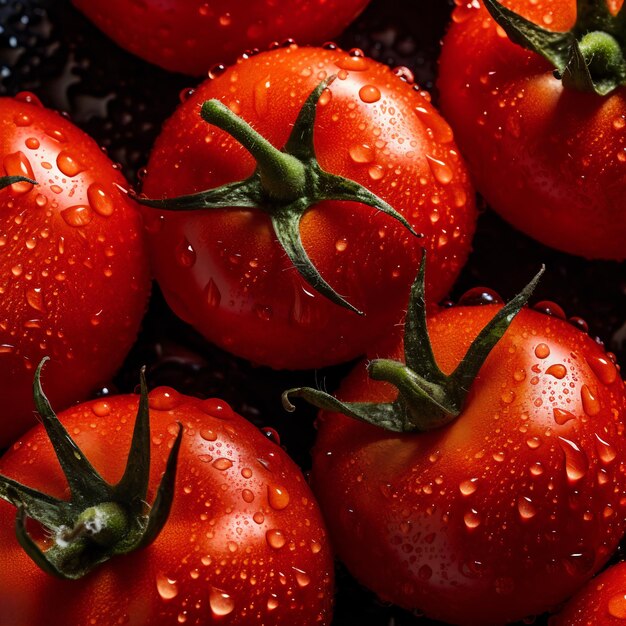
point(505, 512)
point(215, 542)
point(191, 36)
point(600, 602)
point(73, 263)
point(223, 271)
point(550, 160)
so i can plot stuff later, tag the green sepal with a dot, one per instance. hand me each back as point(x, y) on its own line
point(125, 521)
point(589, 57)
point(6, 181)
point(427, 398)
point(285, 185)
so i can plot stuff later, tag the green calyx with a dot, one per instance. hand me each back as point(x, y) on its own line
point(100, 520)
point(590, 57)
point(6, 181)
point(427, 398)
point(285, 184)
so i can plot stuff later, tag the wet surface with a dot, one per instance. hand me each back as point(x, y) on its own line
point(47, 47)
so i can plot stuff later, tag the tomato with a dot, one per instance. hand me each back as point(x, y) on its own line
point(499, 514)
point(549, 158)
point(223, 271)
point(244, 542)
point(74, 273)
point(191, 36)
point(602, 601)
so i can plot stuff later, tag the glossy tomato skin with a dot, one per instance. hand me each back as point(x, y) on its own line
point(550, 160)
point(507, 511)
point(601, 602)
point(74, 277)
point(244, 543)
point(192, 36)
point(223, 271)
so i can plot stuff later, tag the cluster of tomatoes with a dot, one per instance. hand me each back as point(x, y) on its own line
point(302, 207)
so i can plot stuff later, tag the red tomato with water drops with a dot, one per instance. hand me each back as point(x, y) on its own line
point(222, 270)
point(548, 157)
point(74, 276)
point(244, 542)
point(601, 602)
point(191, 36)
point(508, 509)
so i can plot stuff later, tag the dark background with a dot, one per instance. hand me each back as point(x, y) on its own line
point(47, 47)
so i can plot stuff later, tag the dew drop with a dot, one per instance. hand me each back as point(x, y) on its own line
point(208, 435)
point(440, 170)
point(22, 120)
point(369, 94)
point(275, 539)
point(617, 606)
point(576, 462)
point(225, 20)
point(32, 143)
point(34, 297)
point(278, 497)
point(99, 200)
point(220, 602)
point(222, 464)
point(212, 294)
point(542, 351)
point(185, 254)
point(471, 519)
point(302, 578)
point(362, 153)
point(561, 416)
point(605, 450)
point(67, 164)
point(468, 487)
point(325, 97)
point(166, 587)
point(164, 399)
point(526, 508)
point(247, 496)
point(603, 368)
point(17, 164)
point(352, 63)
point(376, 172)
point(77, 215)
point(591, 404)
point(272, 602)
point(341, 244)
point(557, 370)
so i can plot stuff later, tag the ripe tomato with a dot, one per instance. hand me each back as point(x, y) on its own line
point(74, 276)
point(223, 271)
point(502, 513)
point(191, 36)
point(244, 542)
point(601, 602)
point(550, 159)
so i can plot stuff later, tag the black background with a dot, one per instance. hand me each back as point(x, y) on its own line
point(47, 47)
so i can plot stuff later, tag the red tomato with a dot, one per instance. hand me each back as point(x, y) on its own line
point(244, 542)
point(191, 36)
point(507, 510)
point(74, 276)
point(223, 271)
point(602, 602)
point(550, 159)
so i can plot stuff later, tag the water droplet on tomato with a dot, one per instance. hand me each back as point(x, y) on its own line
point(32, 143)
point(34, 297)
point(603, 368)
point(605, 450)
point(557, 370)
point(208, 435)
point(212, 294)
point(166, 587)
point(576, 462)
point(591, 404)
point(221, 603)
point(542, 351)
point(468, 487)
point(361, 153)
point(225, 20)
point(272, 602)
point(369, 94)
point(472, 519)
point(479, 296)
point(261, 103)
point(275, 538)
point(99, 200)
point(341, 244)
point(352, 63)
point(222, 464)
point(440, 170)
point(325, 97)
point(247, 496)
point(17, 164)
point(22, 120)
point(278, 497)
point(526, 508)
point(258, 517)
point(302, 578)
point(217, 408)
point(561, 416)
point(185, 254)
point(77, 215)
point(164, 399)
point(68, 164)
point(101, 408)
point(616, 606)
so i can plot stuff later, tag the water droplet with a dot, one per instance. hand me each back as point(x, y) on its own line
point(468, 487)
point(101, 408)
point(302, 578)
point(34, 297)
point(472, 519)
point(212, 294)
point(225, 20)
point(208, 435)
point(341, 244)
point(362, 153)
point(275, 538)
point(576, 462)
point(185, 254)
point(542, 351)
point(479, 296)
point(67, 164)
point(561, 416)
point(17, 164)
point(222, 464)
point(278, 497)
point(355, 64)
point(164, 399)
point(603, 368)
point(32, 143)
point(557, 370)
point(166, 587)
point(99, 200)
point(605, 450)
point(258, 517)
point(616, 606)
point(22, 120)
point(526, 508)
point(77, 216)
point(221, 602)
point(440, 170)
point(261, 103)
point(247, 496)
point(217, 408)
point(591, 404)
point(272, 602)
point(325, 97)
point(369, 94)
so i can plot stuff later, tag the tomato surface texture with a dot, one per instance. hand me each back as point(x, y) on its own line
point(505, 512)
point(244, 542)
point(74, 276)
point(549, 159)
point(223, 271)
point(191, 36)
